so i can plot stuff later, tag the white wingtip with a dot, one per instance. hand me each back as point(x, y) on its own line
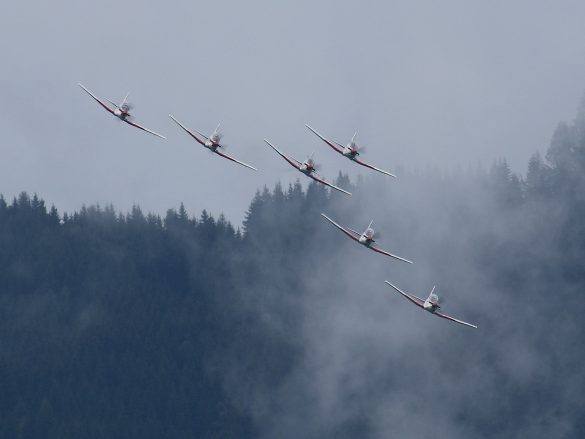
point(394, 286)
point(342, 190)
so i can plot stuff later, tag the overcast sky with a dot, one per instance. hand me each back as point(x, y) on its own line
point(424, 83)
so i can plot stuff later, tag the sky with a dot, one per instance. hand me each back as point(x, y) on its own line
point(424, 83)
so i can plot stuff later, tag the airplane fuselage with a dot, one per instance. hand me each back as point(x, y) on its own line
point(306, 169)
point(211, 145)
point(350, 153)
point(365, 240)
point(120, 114)
point(430, 307)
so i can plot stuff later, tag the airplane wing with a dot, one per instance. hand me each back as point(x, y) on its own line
point(354, 231)
point(445, 316)
point(374, 168)
point(320, 180)
point(96, 98)
point(291, 161)
point(343, 229)
point(187, 130)
point(416, 300)
point(379, 250)
point(331, 144)
point(234, 160)
point(134, 124)
point(202, 135)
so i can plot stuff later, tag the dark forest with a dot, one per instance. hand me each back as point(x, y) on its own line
point(140, 326)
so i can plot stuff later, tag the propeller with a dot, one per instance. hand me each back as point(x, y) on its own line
point(216, 135)
point(125, 106)
point(440, 301)
point(311, 162)
point(353, 145)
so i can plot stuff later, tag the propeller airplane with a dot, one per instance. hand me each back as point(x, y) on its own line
point(212, 142)
point(307, 167)
point(366, 238)
point(431, 304)
point(351, 151)
point(121, 111)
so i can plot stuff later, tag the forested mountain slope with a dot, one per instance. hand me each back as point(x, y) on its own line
point(137, 326)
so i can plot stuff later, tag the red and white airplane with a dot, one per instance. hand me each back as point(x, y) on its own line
point(366, 238)
point(307, 167)
point(212, 142)
point(351, 151)
point(121, 111)
point(431, 304)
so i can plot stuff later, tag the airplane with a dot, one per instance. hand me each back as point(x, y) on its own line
point(366, 238)
point(351, 151)
point(121, 111)
point(431, 304)
point(212, 142)
point(307, 167)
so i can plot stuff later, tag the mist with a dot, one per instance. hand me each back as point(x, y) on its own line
point(134, 308)
point(371, 364)
point(286, 328)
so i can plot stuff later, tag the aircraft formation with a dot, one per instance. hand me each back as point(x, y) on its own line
point(308, 167)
